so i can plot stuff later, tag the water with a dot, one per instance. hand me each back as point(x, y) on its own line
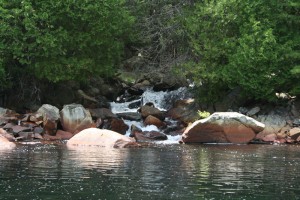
point(162, 100)
point(36, 171)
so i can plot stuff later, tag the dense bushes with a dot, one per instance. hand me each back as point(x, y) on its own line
point(250, 45)
point(61, 40)
point(253, 45)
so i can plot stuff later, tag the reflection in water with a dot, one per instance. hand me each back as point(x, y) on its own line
point(159, 172)
point(99, 158)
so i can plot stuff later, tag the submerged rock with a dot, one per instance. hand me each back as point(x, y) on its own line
point(223, 127)
point(146, 136)
point(94, 137)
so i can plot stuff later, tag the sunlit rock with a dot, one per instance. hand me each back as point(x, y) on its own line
point(223, 127)
point(151, 120)
point(5, 143)
point(7, 135)
point(74, 118)
point(147, 110)
point(294, 133)
point(94, 137)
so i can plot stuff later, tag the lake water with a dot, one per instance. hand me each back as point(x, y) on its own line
point(35, 171)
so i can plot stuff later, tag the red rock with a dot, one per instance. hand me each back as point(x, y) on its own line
point(64, 135)
point(151, 120)
point(118, 125)
point(223, 127)
point(60, 135)
point(290, 141)
point(150, 110)
point(281, 140)
point(270, 138)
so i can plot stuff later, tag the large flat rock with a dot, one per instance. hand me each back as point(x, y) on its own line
point(223, 127)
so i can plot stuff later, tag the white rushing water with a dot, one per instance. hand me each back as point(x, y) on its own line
point(162, 100)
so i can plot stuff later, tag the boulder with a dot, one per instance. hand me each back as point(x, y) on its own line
point(270, 138)
point(294, 133)
point(151, 120)
point(74, 118)
point(118, 126)
point(7, 135)
point(133, 116)
point(273, 124)
point(253, 111)
point(5, 143)
point(147, 110)
point(223, 127)
point(94, 137)
point(50, 118)
point(148, 136)
point(184, 111)
point(103, 113)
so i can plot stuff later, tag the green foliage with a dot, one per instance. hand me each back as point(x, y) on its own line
point(62, 40)
point(203, 114)
point(253, 45)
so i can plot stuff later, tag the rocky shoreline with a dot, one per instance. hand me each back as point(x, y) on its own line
point(49, 124)
point(91, 109)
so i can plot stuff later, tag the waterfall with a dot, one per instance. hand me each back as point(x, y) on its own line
point(163, 100)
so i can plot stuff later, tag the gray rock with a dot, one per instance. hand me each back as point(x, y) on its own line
point(74, 118)
point(50, 118)
point(274, 124)
point(253, 111)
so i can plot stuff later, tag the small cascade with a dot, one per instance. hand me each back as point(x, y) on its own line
point(163, 100)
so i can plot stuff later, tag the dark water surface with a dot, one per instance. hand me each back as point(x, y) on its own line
point(160, 172)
